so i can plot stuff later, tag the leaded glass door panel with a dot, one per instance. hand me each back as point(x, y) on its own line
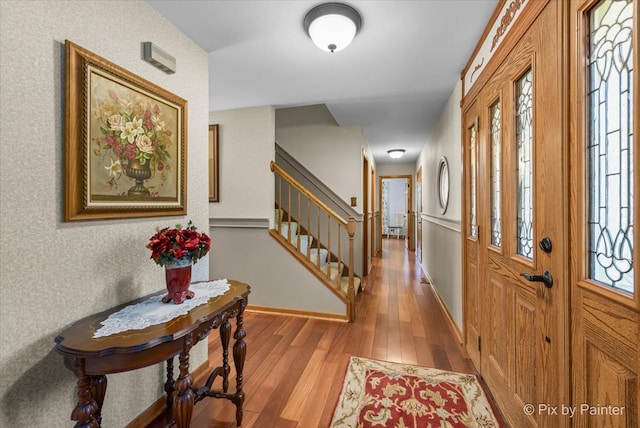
point(605, 298)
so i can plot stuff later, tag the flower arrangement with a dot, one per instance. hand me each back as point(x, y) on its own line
point(132, 129)
point(176, 243)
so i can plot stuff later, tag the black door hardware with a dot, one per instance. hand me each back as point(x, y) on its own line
point(545, 277)
point(545, 245)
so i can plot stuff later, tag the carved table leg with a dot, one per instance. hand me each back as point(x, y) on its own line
point(86, 407)
point(225, 335)
point(169, 385)
point(184, 399)
point(98, 391)
point(239, 353)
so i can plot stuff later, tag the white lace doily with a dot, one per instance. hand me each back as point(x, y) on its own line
point(153, 311)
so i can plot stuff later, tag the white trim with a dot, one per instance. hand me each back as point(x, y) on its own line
point(243, 223)
point(455, 225)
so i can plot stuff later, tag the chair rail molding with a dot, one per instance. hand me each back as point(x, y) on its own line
point(454, 225)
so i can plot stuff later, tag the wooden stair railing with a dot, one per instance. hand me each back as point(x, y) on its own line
point(311, 231)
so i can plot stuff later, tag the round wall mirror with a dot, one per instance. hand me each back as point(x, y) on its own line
point(443, 184)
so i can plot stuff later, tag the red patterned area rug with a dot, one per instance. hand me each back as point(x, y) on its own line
point(392, 395)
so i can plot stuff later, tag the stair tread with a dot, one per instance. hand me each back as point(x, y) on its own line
point(335, 270)
point(344, 283)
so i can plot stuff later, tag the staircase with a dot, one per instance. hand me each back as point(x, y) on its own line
point(317, 237)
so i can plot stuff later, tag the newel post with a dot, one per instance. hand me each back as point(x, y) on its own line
point(351, 292)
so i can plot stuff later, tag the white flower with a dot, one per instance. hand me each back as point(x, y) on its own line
point(115, 169)
point(132, 129)
point(116, 122)
point(158, 125)
point(144, 144)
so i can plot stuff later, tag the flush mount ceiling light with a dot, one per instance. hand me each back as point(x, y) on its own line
point(395, 153)
point(332, 26)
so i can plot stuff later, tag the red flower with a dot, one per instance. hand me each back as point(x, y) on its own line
point(179, 253)
point(178, 243)
point(188, 239)
point(205, 240)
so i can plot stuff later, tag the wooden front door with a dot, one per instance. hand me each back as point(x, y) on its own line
point(604, 208)
point(516, 250)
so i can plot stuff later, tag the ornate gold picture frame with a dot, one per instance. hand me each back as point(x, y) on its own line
point(125, 142)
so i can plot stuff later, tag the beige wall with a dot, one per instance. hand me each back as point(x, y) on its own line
point(52, 272)
point(276, 278)
point(441, 250)
point(332, 153)
point(247, 146)
point(239, 223)
point(396, 169)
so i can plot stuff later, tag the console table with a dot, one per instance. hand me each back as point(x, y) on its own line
point(91, 359)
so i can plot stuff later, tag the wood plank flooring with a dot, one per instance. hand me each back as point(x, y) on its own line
point(295, 366)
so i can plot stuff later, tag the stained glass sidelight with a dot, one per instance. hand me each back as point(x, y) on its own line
point(610, 145)
point(473, 221)
point(524, 167)
point(496, 144)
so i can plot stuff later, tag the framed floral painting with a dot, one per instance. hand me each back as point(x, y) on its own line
point(125, 142)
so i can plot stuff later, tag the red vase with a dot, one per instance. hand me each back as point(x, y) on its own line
point(178, 276)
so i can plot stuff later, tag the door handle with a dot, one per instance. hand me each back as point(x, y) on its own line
point(545, 277)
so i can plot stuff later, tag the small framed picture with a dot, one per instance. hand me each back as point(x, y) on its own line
point(214, 173)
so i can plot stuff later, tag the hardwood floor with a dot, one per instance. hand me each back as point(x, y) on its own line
point(295, 366)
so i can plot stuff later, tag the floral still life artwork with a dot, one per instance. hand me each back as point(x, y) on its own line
point(125, 142)
point(133, 143)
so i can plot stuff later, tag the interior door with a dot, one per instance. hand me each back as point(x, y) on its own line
point(605, 301)
point(365, 217)
point(419, 213)
point(409, 228)
point(372, 210)
point(521, 234)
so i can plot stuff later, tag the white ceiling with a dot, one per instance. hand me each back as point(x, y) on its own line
point(393, 80)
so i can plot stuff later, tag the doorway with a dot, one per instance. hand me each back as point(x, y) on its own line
point(395, 202)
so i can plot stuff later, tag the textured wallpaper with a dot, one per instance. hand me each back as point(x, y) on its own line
point(52, 272)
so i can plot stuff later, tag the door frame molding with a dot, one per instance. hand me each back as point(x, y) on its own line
point(409, 232)
point(366, 258)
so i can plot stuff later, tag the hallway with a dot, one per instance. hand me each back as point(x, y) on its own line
point(295, 366)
